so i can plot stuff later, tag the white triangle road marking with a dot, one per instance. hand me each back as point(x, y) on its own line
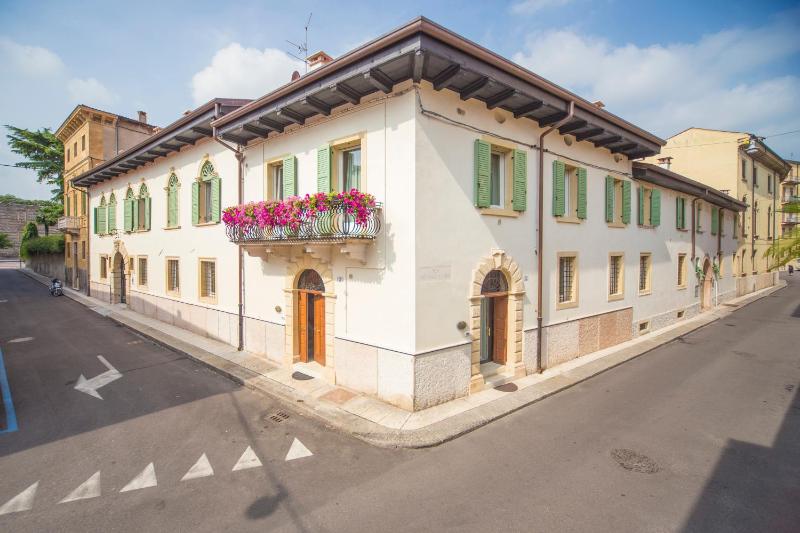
point(249, 459)
point(298, 451)
point(145, 479)
point(20, 339)
point(202, 468)
point(21, 502)
point(88, 489)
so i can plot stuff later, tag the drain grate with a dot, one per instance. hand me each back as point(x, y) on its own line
point(279, 417)
point(636, 462)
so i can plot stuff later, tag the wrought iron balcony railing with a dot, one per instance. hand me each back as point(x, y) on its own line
point(333, 225)
point(70, 223)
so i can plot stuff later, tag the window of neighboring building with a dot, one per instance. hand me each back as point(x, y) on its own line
point(682, 271)
point(75, 149)
point(208, 280)
point(680, 213)
point(698, 218)
point(83, 143)
point(769, 183)
point(744, 170)
point(103, 267)
point(755, 174)
point(755, 220)
point(616, 279)
point(142, 273)
point(567, 280)
point(67, 155)
point(206, 196)
point(83, 249)
point(769, 222)
point(173, 276)
point(67, 247)
point(173, 188)
point(644, 273)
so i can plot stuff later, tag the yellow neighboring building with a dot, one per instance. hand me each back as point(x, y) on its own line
point(90, 136)
point(740, 165)
point(790, 192)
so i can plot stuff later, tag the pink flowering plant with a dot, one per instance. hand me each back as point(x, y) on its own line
point(293, 211)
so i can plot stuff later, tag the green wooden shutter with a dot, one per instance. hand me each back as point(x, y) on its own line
point(289, 177)
point(697, 225)
point(216, 186)
point(714, 220)
point(678, 207)
point(127, 224)
point(582, 193)
point(172, 207)
point(609, 199)
point(483, 173)
point(655, 208)
point(195, 202)
point(641, 206)
point(147, 213)
point(102, 213)
point(134, 215)
point(626, 202)
point(94, 218)
point(112, 217)
point(66, 205)
point(323, 169)
point(558, 188)
point(520, 191)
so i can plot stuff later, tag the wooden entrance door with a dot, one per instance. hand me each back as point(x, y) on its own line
point(499, 329)
point(311, 326)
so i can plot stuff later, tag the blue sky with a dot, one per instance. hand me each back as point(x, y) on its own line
point(664, 66)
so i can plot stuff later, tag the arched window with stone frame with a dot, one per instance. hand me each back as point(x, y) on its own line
point(173, 188)
point(206, 192)
point(101, 217)
point(112, 213)
point(130, 223)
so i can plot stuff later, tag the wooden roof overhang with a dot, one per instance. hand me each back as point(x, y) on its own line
point(671, 180)
point(185, 131)
point(423, 50)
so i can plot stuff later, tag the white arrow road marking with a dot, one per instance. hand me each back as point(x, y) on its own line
point(249, 459)
point(298, 451)
point(145, 479)
point(202, 468)
point(21, 502)
point(88, 489)
point(3, 301)
point(90, 386)
point(20, 339)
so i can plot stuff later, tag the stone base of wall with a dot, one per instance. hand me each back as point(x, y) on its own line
point(755, 282)
point(569, 340)
point(441, 376)
point(51, 266)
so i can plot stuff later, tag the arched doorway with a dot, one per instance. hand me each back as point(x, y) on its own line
point(310, 317)
point(494, 318)
point(118, 279)
point(708, 280)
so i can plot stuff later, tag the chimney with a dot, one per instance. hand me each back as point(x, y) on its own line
point(142, 117)
point(665, 162)
point(318, 59)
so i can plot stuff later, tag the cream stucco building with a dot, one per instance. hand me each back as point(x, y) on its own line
point(512, 231)
point(743, 166)
point(790, 192)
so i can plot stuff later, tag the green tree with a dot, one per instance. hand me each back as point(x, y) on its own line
point(43, 153)
point(5, 242)
point(48, 214)
point(787, 248)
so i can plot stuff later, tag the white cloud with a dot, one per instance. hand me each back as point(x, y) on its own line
point(714, 82)
point(238, 72)
point(32, 61)
point(528, 7)
point(90, 92)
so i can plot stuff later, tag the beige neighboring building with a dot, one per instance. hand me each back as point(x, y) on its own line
point(90, 136)
point(739, 164)
point(790, 192)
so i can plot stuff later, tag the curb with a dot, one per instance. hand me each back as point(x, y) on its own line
point(425, 437)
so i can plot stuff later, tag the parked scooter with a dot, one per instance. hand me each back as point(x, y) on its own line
point(55, 287)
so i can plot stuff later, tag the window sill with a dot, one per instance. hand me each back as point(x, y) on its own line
point(616, 297)
point(648, 292)
point(684, 230)
point(566, 305)
point(499, 212)
point(174, 294)
point(171, 227)
point(206, 224)
point(206, 300)
point(682, 287)
point(616, 225)
point(570, 220)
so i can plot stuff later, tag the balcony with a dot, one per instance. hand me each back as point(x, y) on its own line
point(788, 198)
point(790, 220)
point(316, 235)
point(71, 225)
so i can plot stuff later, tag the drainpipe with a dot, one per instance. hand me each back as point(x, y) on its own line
point(540, 234)
point(694, 227)
point(239, 153)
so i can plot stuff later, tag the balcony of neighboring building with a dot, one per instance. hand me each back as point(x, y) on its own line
point(71, 224)
point(790, 219)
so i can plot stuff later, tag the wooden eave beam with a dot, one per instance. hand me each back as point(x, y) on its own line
point(527, 109)
point(379, 80)
point(185, 140)
point(294, 116)
point(572, 126)
point(206, 132)
point(271, 124)
point(347, 93)
point(588, 134)
point(610, 140)
point(623, 148)
point(418, 66)
point(129, 165)
point(474, 88)
point(446, 76)
point(552, 119)
point(255, 130)
point(317, 105)
point(500, 98)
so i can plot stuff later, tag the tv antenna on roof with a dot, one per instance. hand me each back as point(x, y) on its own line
point(302, 48)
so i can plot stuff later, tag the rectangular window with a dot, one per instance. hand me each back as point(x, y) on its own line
point(205, 201)
point(83, 143)
point(142, 278)
point(644, 273)
point(83, 249)
point(769, 182)
point(744, 170)
point(275, 186)
point(350, 169)
point(755, 175)
point(567, 280)
point(141, 217)
point(67, 155)
point(616, 281)
point(75, 149)
point(682, 271)
point(67, 247)
point(103, 267)
point(208, 280)
point(173, 277)
point(497, 183)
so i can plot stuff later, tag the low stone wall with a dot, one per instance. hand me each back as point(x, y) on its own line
point(569, 340)
point(755, 282)
point(50, 265)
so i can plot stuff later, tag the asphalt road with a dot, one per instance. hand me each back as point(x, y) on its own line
point(708, 427)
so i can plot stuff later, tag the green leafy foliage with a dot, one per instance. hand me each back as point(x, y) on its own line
point(51, 244)
point(5, 241)
point(30, 231)
point(787, 248)
point(11, 199)
point(42, 153)
point(48, 214)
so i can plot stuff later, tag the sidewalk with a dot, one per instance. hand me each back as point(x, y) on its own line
point(372, 420)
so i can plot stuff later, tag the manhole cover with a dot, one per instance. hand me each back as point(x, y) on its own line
point(299, 376)
point(630, 460)
point(279, 417)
